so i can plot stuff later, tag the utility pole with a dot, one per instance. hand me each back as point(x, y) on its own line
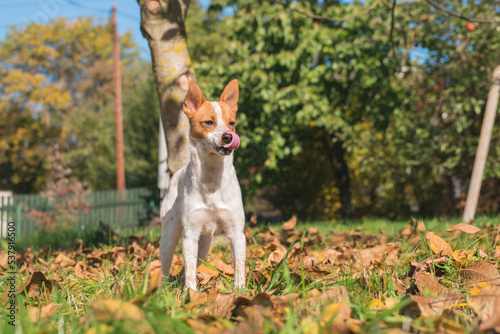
point(482, 149)
point(120, 163)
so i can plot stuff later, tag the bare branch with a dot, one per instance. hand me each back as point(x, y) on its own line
point(392, 28)
point(441, 8)
point(331, 19)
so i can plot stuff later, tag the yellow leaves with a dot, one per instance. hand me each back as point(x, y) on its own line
point(461, 257)
point(309, 326)
point(438, 245)
point(376, 304)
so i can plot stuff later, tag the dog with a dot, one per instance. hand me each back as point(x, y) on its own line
point(204, 198)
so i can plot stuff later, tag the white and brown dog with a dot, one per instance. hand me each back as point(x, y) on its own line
point(204, 197)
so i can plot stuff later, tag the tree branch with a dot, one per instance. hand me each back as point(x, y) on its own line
point(331, 19)
point(392, 28)
point(441, 8)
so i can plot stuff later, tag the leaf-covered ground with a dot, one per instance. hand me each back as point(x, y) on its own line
point(301, 279)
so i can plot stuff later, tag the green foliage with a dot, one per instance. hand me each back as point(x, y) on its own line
point(57, 87)
point(304, 86)
point(94, 129)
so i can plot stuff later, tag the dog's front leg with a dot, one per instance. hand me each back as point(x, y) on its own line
point(203, 250)
point(190, 253)
point(238, 251)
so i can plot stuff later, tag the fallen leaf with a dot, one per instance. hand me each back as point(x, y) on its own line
point(80, 271)
point(461, 256)
point(38, 282)
point(486, 304)
point(466, 228)
point(480, 271)
point(438, 245)
point(290, 224)
point(113, 309)
point(309, 326)
point(376, 304)
point(336, 315)
point(223, 267)
point(425, 306)
point(64, 261)
point(429, 285)
point(154, 281)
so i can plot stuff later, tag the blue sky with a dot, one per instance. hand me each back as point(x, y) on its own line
point(21, 12)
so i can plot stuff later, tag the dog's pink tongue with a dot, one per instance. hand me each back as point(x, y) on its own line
point(235, 143)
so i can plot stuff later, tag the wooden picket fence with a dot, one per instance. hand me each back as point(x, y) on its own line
point(116, 208)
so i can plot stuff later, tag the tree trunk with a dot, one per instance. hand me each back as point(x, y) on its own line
point(162, 24)
point(336, 154)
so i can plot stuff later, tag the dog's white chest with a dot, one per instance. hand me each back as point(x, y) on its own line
point(211, 220)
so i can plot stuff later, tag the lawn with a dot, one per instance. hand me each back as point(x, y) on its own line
point(303, 277)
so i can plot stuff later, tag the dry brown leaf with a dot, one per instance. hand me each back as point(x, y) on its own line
point(493, 322)
point(38, 282)
point(223, 267)
point(429, 285)
point(45, 312)
point(336, 315)
point(480, 271)
point(330, 294)
point(425, 306)
point(207, 270)
point(438, 245)
point(487, 305)
point(154, 281)
point(449, 323)
point(461, 256)
point(290, 224)
point(64, 261)
point(80, 271)
point(113, 309)
point(275, 257)
point(466, 228)
point(399, 286)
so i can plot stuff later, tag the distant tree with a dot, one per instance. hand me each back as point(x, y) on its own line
point(433, 135)
point(48, 73)
point(305, 85)
point(334, 113)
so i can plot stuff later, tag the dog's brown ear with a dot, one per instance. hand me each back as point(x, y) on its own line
point(230, 95)
point(193, 100)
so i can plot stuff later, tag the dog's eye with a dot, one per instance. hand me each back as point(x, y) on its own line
point(209, 122)
point(231, 123)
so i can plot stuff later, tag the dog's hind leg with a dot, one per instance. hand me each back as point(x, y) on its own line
point(203, 247)
point(170, 236)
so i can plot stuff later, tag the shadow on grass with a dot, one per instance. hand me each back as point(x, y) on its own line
point(64, 239)
point(103, 235)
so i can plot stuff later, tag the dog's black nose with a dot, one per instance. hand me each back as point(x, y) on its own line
point(227, 138)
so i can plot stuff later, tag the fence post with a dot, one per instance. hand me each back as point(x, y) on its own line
point(19, 211)
point(482, 149)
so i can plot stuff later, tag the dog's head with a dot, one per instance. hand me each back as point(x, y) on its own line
point(210, 120)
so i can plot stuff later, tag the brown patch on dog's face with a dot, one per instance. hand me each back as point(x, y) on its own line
point(228, 116)
point(201, 114)
point(203, 121)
